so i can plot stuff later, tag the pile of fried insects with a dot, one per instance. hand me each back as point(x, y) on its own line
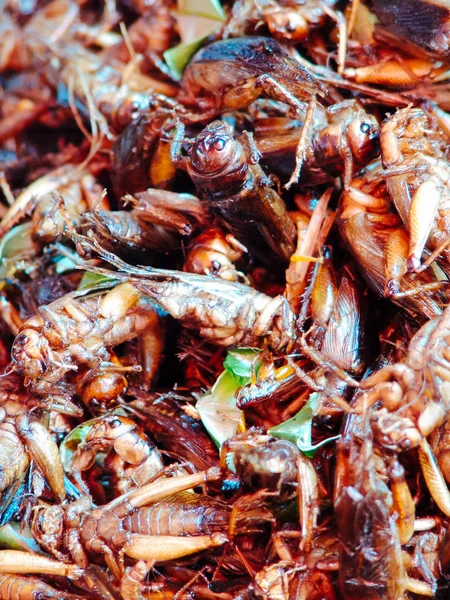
point(224, 290)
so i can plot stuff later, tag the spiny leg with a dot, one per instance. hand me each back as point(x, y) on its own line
point(433, 477)
point(303, 142)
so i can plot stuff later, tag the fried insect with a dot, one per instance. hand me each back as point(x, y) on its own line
point(81, 119)
point(343, 137)
point(112, 108)
point(41, 195)
point(224, 312)
point(275, 385)
point(276, 472)
point(263, 462)
point(337, 337)
point(110, 94)
point(381, 57)
point(100, 389)
point(214, 253)
point(371, 562)
point(166, 530)
point(175, 430)
point(130, 456)
point(227, 173)
point(418, 386)
point(19, 587)
point(287, 20)
point(332, 349)
point(287, 579)
point(418, 179)
point(76, 333)
point(24, 438)
point(79, 196)
point(127, 234)
point(113, 89)
point(141, 154)
point(379, 243)
point(177, 212)
point(237, 71)
point(231, 74)
point(154, 225)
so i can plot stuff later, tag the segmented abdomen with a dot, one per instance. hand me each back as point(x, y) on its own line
point(170, 518)
point(17, 587)
point(13, 458)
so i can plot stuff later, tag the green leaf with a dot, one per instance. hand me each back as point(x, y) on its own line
point(17, 241)
point(217, 408)
point(243, 362)
point(178, 57)
point(197, 19)
point(92, 280)
point(310, 450)
point(17, 252)
point(14, 536)
point(298, 429)
point(210, 9)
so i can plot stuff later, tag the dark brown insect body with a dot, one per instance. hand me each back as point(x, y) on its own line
point(173, 428)
point(338, 333)
point(371, 562)
point(141, 154)
point(424, 22)
point(227, 173)
point(155, 223)
point(343, 137)
point(127, 234)
point(231, 74)
point(373, 521)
